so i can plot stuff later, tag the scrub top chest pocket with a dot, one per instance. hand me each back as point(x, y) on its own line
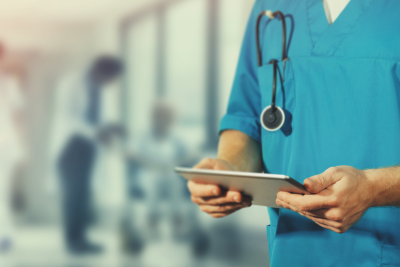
point(285, 95)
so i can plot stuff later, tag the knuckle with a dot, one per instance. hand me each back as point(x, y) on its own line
point(227, 200)
point(336, 171)
point(341, 225)
point(303, 207)
point(336, 216)
point(192, 187)
point(210, 191)
point(220, 208)
point(227, 208)
point(219, 201)
point(318, 181)
point(207, 161)
point(309, 181)
point(334, 201)
point(198, 200)
point(332, 169)
point(218, 165)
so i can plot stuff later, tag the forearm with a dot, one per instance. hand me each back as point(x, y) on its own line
point(240, 150)
point(386, 184)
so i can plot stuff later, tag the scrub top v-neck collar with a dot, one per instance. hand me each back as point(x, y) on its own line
point(326, 38)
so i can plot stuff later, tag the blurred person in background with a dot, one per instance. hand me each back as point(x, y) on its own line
point(166, 196)
point(78, 133)
point(11, 146)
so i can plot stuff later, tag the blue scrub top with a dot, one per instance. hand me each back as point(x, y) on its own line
point(340, 91)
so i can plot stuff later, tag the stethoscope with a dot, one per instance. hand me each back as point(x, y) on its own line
point(272, 118)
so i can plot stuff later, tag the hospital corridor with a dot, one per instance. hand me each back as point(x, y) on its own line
point(99, 101)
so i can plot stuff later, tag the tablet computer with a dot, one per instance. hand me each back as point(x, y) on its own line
point(261, 187)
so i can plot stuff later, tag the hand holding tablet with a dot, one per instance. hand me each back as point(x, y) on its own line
point(211, 198)
point(261, 188)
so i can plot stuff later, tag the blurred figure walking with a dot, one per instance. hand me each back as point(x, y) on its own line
point(165, 194)
point(79, 132)
point(11, 148)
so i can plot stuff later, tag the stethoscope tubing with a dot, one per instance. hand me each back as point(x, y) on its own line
point(273, 106)
point(274, 62)
point(271, 16)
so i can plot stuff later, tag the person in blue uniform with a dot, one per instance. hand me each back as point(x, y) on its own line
point(340, 92)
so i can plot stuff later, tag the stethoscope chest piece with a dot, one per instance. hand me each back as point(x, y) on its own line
point(272, 118)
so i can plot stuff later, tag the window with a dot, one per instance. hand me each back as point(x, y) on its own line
point(233, 21)
point(185, 67)
point(141, 73)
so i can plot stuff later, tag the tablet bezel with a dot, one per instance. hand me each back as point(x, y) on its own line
point(234, 174)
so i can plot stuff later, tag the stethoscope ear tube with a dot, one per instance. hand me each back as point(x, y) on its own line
point(271, 15)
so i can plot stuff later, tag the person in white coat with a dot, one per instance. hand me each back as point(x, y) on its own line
point(12, 151)
point(77, 134)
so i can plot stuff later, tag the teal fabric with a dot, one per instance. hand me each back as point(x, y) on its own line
point(390, 255)
point(340, 91)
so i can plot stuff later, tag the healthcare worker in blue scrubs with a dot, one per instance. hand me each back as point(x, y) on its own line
point(339, 89)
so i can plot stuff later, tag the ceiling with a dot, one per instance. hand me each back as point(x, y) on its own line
point(46, 24)
point(64, 11)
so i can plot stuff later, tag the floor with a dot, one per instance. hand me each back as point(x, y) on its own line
point(43, 247)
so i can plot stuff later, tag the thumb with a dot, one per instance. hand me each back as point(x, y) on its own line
point(317, 183)
point(207, 163)
point(215, 164)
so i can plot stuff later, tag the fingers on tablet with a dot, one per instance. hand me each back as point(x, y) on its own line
point(203, 190)
point(220, 208)
point(245, 201)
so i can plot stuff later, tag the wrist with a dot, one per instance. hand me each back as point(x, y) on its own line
point(372, 176)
